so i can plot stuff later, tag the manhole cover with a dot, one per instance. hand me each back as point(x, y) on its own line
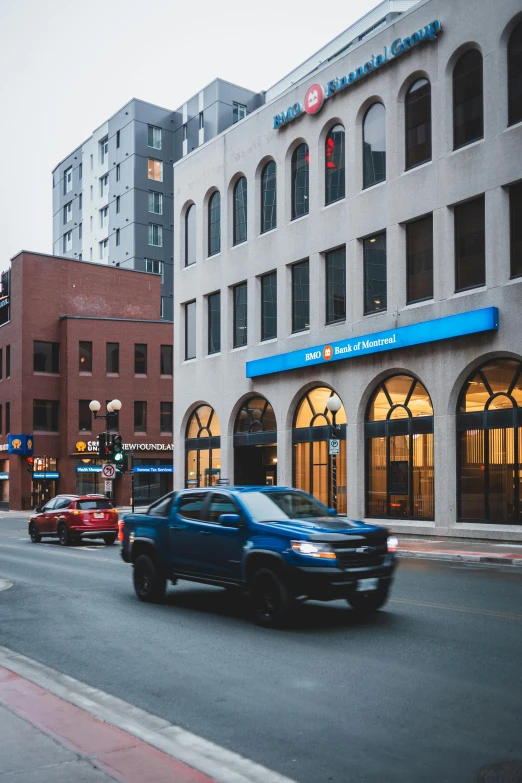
point(503, 772)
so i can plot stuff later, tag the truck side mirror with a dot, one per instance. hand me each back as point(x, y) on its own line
point(332, 512)
point(229, 520)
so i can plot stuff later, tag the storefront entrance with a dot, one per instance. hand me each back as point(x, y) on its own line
point(203, 448)
point(255, 444)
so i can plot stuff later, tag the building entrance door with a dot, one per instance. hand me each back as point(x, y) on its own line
point(255, 465)
point(255, 443)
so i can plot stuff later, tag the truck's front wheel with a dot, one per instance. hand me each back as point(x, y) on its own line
point(271, 599)
point(149, 583)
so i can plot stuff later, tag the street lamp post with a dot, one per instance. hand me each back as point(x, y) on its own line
point(334, 405)
point(113, 408)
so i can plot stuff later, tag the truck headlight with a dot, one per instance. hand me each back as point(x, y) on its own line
point(311, 549)
point(393, 543)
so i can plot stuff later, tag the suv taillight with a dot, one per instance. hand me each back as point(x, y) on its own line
point(120, 530)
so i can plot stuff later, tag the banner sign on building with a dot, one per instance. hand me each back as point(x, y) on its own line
point(402, 337)
point(91, 447)
point(317, 94)
point(20, 444)
point(4, 476)
point(49, 474)
point(153, 469)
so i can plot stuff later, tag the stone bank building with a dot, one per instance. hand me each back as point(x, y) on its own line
point(360, 235)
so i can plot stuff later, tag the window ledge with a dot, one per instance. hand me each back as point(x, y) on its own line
point(371, 187)
point(140, 434)
point(417, 167)
point(268, 341)
point(469, 291)
point(268, 231)
point(297, 219)
point(239, 348)
point(466, 146)
point(166, 376)
point(299, 333)
point(214, 255)
point(211, 355)
point(83, 372)
point(45, 432)
point(113, 374)
point(374, 313)
point(334, 203)
point(188, 361)
point(140, 375)
point(239, 244)
point(46, 374)
point(335, 323)
point(510, 127)
point(166, 434)
point(420, 303)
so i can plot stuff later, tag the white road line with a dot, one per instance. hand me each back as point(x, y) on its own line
point(63, 552)
point(223, 765)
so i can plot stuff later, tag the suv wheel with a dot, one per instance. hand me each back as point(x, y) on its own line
point(271, 599)
point(63, 535)
point(109, 540)
point(367, 603)
point(149, 582)
point(33, 532)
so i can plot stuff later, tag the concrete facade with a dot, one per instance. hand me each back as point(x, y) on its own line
point(488, 166)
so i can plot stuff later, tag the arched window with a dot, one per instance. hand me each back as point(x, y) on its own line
point(214, 224)
point(374, 145)
point(313, 467)
point(515, 76)
point(468, 104)
point(240, 211)
point(334, 165)
point(269, 197)
point(203, 448)
point(255, 443)
point(190, 235)
point(399, 451)
point(300, 181)
point(418, 123)
point(489, 427)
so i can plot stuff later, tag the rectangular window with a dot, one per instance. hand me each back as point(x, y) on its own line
point(113, 422)
point(67, 180)
point(84, 416)
point(104, 185)
point(117, 237)
point(165, 417)
point(8, 361)
point(155, 235)
point(201, 121)
point(140, 416)
point(240, 315)
point(1, 420)
point(151, 265)
point(8, 418)
point(92, 161)
point(190, 330)
point(335, 262)
point(117, 205)
point(112, 358)
point(1, 364)
point(419, 259)
point(45, 415)
point(374, 251)
point(104, 217)
point(85, 355)
point(214, 323)
point(104, 249)
point(80, 231)
point(154, 137)
point(80, 174)
point(269, 306)
point(67, 242)
point(238, 112)
point(470, 257)
point(515, 214)
point(155, 170)
point(46, 357)
point(104, 150)
point(92, 193)
point(140, 359)
point(117, 139)
point(67, 212)
point(184, 132)
point(166, 360)
point(301, 296)
point(80, 202)
point(118, 172)
point(155, 202)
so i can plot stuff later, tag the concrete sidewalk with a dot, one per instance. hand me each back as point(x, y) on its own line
point(460, 549)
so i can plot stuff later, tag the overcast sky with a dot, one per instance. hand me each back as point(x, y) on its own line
point(67, 65)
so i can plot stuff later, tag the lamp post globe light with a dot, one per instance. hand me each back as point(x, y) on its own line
point(334, 405)
point(94, 406)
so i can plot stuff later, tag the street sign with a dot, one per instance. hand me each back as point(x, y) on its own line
point(109, 471)
point(108, 486)
point(334, 446)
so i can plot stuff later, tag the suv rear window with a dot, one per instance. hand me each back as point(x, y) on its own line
point(94, 505)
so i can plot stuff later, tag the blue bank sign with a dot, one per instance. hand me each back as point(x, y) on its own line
point(317, 93)
point(402, 337)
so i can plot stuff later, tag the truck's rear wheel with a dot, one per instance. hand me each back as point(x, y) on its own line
point(271, 599)
point(149, 583)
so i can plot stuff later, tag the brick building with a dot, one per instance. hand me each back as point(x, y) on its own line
point(71, 332)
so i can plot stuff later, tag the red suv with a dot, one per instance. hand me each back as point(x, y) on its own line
point(72, 517)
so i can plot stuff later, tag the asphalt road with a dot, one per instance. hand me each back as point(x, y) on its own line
point(430, 689)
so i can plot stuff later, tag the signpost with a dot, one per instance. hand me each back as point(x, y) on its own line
point(109, 471)
point(334, 446)
point(108, 486)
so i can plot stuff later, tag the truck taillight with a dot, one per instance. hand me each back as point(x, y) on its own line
point(120, 530)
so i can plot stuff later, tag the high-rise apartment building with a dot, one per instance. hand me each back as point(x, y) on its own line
point(113, 195)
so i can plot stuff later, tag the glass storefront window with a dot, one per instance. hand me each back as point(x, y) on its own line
point(202, 448)
point(399, 451)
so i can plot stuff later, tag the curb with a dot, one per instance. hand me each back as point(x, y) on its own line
point(462, 557)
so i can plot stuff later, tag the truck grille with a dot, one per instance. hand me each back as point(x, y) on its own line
point(361, 554)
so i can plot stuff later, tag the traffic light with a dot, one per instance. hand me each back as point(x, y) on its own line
point(104, 446)
point(117, 450)
point(30, 464)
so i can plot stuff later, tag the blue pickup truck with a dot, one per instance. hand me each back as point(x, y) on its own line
point(274, 543)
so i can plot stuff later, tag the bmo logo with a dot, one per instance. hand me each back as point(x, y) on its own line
point(327, 352)
point(314, 99)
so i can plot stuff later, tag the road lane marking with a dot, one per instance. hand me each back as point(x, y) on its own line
point(464, 609)
point(221, 764)
point(56, 549)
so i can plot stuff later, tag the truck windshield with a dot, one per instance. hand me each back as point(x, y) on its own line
point(94, 505)
point(272, 506)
